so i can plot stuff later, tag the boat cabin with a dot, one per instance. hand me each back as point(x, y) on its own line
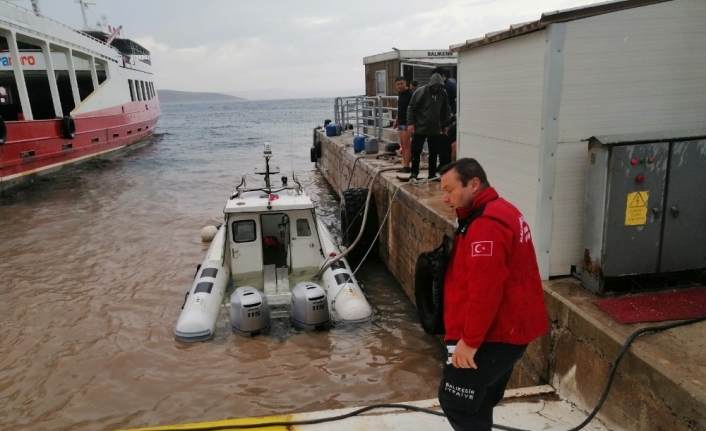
point(272, 233)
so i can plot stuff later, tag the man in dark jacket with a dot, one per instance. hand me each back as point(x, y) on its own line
point(493, 297)
point(428, 110)
point(449, 86)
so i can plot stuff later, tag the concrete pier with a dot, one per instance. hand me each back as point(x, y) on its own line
point(660, 384)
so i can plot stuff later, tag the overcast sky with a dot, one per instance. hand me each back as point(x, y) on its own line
point(283, 49)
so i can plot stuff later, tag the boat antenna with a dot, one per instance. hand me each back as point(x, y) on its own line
point(267, 153)
point(291, 150)
point(84, 5)
point(36, 8)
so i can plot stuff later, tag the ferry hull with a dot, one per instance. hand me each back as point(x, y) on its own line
point(38, 149)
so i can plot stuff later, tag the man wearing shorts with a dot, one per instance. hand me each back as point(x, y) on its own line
point(403, 98)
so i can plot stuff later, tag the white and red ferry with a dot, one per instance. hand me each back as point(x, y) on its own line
point(68, 95)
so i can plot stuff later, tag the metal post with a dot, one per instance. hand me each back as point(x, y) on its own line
point(51, 77)
point(94, 74)
point(19, 75)
point(72, 77)
point(379, 119)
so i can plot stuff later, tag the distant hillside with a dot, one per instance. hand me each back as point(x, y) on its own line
point(173, 96)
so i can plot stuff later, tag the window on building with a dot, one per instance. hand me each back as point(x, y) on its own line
point(303, 228)
point(244, 231)
point(5, 98)
point(381, 82)
point(132, 89)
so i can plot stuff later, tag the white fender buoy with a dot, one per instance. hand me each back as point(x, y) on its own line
point(208, 233)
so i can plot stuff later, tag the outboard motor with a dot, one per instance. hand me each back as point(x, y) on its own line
point(249, 312)
point(309, 306)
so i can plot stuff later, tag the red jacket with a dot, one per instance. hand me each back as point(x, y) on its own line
point(492, 290)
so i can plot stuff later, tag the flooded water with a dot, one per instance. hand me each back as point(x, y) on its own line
point(93, 271)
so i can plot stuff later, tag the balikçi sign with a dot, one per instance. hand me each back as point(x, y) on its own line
point(439, 54)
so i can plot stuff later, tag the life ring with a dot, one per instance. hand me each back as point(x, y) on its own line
point(429, 275)
point(68, 127)
point(352, 206)
point(3, 131)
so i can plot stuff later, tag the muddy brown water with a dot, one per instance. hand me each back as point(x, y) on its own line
point(93, 270)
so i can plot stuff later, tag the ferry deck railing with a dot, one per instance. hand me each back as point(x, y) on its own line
point(47, 37)
point(367, 115)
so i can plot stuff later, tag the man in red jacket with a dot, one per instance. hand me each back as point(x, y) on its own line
point(493, 297)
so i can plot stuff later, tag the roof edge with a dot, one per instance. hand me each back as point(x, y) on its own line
point(551, 18)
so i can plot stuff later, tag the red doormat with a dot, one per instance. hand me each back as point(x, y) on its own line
point(658, 307)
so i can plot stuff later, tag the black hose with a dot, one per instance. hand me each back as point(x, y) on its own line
point(310, 421)
point(614, 368)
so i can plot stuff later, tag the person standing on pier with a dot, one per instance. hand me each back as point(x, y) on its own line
point(493, 297)
point(403, 98)
point(449, 86)
point(428, 110)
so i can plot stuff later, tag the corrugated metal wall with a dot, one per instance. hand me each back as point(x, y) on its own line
point(634, 71)
point(500, 112)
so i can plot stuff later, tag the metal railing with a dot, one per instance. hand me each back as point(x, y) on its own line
point(65, 42)
point(367, 115)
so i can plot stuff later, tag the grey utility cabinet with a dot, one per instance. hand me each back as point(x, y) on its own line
point(645, 207)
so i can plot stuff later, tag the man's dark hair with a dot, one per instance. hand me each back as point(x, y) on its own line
point(415, 83)
point(441, 71)
point(467, 169)
point(400, 78)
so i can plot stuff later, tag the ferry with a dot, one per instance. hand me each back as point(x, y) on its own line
point(67, 95)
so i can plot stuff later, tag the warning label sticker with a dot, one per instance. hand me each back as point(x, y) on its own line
point(636, 211)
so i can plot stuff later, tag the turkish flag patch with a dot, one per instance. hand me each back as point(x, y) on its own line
point(482, 248)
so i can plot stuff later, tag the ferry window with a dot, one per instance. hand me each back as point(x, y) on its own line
point(5, 98)
point(303, 228)
point(137, 88)
point(132, 89)
point(381, 82)
point(244, 231)
point(154, 93)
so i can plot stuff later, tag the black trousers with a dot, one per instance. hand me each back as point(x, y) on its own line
point(437, 147)
point(468, 396)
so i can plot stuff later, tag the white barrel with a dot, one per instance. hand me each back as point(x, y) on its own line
point(197, 321)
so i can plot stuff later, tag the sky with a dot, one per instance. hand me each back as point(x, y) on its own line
point(270, 49)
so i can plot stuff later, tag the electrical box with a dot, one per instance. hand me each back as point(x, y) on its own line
point(645, 207)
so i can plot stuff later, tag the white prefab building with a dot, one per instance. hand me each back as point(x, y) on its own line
point(531, 96)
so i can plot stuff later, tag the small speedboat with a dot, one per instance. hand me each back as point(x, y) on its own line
point(278, 259)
